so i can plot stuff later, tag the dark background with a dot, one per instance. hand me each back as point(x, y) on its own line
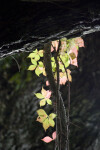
point(24, 27)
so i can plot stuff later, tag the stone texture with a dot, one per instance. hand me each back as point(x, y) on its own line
point(25, 26)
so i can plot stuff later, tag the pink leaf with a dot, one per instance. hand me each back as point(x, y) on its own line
point(74, 62)
point(79, 41)
point(63, 45)
point(47, 139)
point(47, 83)
point(54, 135)
point(48, 95)
point(41, 68)
point(54, 44)
point(63, 80)
point(74, 50)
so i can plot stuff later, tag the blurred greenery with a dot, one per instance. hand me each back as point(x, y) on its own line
point(13, 71)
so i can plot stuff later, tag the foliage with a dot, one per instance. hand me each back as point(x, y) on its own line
point(46, 120)
point(48, 139)
point(67, 55)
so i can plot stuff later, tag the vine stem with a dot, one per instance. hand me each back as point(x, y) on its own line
point(58, 119)
point(61, 111)
point(68, 109)
point(68, 113)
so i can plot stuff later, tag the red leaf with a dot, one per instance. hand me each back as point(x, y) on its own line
point(47, 139)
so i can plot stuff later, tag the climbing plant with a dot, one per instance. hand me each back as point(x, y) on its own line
point(54, 63)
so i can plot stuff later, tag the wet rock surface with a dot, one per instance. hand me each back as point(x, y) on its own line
point(25, 25)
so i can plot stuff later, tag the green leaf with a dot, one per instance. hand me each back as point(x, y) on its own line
point(53, 64)
point(42, 113)
point(35, 51)
point(39, 95)
point(61, 67)
point(77, 47)
point(31, 67)
point(42, 102)
point(51, 122)
point(40, 53)
point(49, 101)
point(63, 39)
point(37, 57)
point(44, 73)
point(69, 75)
point(38, 71)
point(52, 115)
point(67, 63)
point(31, 55)
point(40, 64)
point(46, 124)
point(33, 61)
point(52, 58)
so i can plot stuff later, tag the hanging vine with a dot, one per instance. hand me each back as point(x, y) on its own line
point(54, 62)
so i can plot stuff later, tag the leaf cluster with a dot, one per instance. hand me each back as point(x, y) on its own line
point(67, 55)
point(46, 120)
point(36, 64)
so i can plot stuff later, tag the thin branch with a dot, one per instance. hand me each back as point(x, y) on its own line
point(16, 62)
point(75, 125)
point(57, 100)
point(62, 112)
point(58, 124)
point(68, 110)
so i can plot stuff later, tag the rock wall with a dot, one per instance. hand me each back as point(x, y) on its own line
point(25, 26)
point(18, 127)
